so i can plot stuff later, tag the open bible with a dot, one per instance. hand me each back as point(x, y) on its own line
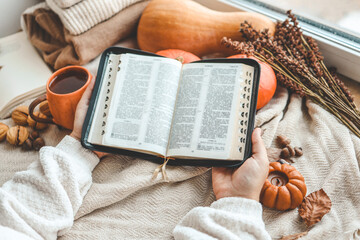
point(200, 113)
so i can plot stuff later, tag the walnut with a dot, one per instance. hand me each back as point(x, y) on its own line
point(17, 135)
point(38, 143)
point(27, 145)
point(20, 115)
point(3, 130)
point(37, 125)
point(44, 108)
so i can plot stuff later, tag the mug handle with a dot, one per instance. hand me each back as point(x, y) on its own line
point(32, 107)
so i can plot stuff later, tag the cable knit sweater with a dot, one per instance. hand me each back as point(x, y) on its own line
point(40, 203)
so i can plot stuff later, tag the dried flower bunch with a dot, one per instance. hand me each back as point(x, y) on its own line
point(300, 67)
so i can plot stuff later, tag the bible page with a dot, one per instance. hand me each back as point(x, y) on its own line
point(206, 110)
point(142, 104)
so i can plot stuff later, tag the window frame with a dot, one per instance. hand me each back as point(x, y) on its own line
point(340, 49)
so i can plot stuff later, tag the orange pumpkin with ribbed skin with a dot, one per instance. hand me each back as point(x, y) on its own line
point(187, 25)
point(180, 55)
point(284, 188)
point(267, 84)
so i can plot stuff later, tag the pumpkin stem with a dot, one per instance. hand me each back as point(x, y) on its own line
point(180, 59)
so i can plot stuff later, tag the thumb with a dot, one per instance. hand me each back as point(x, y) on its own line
point(258, 147)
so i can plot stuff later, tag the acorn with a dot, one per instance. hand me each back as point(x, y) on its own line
point(283, 141)
point(34, 135)
point(285, 153)
point(298, 151)
point(27, 145)
point(38, 143)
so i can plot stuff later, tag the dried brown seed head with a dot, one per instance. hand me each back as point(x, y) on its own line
point(27, 145)
point(38, 143)
point(282, 140)
point(20, 115)
point(3, 130)
point(44, 108)
point(17, 135)
point(37, 125)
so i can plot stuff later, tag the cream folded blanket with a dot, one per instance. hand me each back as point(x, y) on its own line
point(124, 203)
point(78, 16)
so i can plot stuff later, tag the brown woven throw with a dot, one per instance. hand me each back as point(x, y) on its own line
point(59, 48)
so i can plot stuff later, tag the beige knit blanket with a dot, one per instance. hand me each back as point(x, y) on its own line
point(124, 203)
point(78, 16)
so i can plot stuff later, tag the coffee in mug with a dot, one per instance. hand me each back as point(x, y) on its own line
point(68, 81)
point(63, 92)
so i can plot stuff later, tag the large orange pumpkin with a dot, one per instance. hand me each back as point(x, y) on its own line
point(284, 188)
point(267, 85)
point(189, 26)
point(182, 56)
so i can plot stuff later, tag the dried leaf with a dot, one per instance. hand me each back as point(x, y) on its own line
point(294, 236)
point(314, 207)
point(273, 154)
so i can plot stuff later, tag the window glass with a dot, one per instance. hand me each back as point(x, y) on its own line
point(343, 15)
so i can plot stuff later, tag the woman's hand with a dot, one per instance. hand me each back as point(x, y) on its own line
point(80, 114)
point(81, 110)
point(247, 180)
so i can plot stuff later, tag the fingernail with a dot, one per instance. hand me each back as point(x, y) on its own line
point(258, 131)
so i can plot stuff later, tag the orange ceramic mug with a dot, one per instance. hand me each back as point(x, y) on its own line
point(63, 92)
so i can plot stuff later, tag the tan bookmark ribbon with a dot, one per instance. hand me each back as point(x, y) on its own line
point(161, 168)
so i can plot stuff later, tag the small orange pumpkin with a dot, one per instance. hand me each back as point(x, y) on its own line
point(284, 188)
point(180, 55)
point(267, 85)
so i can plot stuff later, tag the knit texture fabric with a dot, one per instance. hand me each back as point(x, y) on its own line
point(124, 203)
point(66, 3)
point(41, 201)
point(79, 16)
point(239, 218)
point(59, 48)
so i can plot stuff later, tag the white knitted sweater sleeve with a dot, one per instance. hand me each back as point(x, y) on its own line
point(40, 203)
point(227, 218)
